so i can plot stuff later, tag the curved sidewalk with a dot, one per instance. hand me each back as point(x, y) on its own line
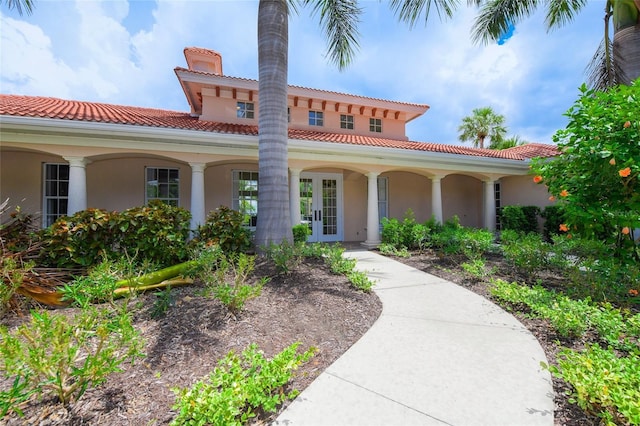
point(438, 355)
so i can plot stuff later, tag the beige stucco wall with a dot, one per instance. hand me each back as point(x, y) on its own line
point(224, 109)
point(409, 191)
point(521, 190)
point(463, 196)
point(21, 180)
point(355, 206)
point(119, 184)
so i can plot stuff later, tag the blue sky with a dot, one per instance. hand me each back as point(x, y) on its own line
point(124, 52)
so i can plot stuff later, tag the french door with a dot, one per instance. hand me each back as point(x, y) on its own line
point(321, 206)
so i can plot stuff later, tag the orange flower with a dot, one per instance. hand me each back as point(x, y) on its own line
point(625, 230)
point(624, 172)
point(633, 292)
point(564, 227)
point(564, 193)
point(537, 179)
point(612, 161)
point(627, 124)
point(569, 236)
point(552, 198)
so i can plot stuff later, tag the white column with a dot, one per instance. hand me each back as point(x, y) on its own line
point(197, 195)
point(294, 196)
point(436, 197)
point(373, 221)
point(489, 205)
point(77, 184)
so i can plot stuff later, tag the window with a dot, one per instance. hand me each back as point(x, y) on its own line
point(383, 199)
point(163, 184)
point(56, 192)
point(375, 125)
point(316, 118)
point(288, 115)
point(496, 191)
point(245, 110)
point(245, 195)
point(346, 121)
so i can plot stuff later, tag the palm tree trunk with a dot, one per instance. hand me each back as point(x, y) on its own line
point(626, 51)
point(274, 222)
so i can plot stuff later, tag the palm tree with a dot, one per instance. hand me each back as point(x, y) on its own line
point(507, 143)
point(339, 20)
point(19, 5)
point(482, 124)
point(614, 63)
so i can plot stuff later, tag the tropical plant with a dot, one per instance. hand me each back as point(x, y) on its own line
point(596, 179)
point(483, 123)
point(19, 5)
point(613, 63)
point(511, 142)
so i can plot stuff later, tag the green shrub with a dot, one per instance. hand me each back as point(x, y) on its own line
point(391, 250)
point(285, 256)
point(226, 277)
point(239, 387)
point(520, 218)
point(225, 227)
point(157, 232)
point(476, 242)
point(604, 384)
point(83, 239)
point(97, 286)
point(526, 253)
point(360, 280)
point(407, 234)
point(477, 269)
point(604, 279)
point(553, 217)
point(55, 354)
point(12, 274)
point(300, 233)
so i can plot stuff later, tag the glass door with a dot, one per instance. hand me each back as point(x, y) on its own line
point(321, 206)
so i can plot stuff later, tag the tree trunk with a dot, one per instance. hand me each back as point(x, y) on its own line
point(274, 222)
point(626, 51)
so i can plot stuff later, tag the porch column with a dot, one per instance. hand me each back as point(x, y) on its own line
point(489, 205)
point(373, 220)
point(77, 200)
point(197, 195)
point(436, 197)
point(294, 196)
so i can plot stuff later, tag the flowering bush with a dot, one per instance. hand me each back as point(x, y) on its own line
point(596, 177)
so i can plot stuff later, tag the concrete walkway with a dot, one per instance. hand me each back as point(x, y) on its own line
point(438, 355)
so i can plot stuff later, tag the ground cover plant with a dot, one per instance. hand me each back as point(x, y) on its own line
point(74, 365)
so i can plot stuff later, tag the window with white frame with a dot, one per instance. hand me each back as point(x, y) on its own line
point(55, 192)
point(245, 195)
point(375, 125)
point(383, 198)
point(245, 110)
point(316, 118)
point(162, 184)
point(346, 121)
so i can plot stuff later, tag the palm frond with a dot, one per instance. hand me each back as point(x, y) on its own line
point(19, 5)
point(339, 20)
point(410, 11)
point(601, 72)
point(561, 12)
point(496, 15)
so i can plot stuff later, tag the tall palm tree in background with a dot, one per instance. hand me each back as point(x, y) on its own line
point(616, 62)
point(339, 21)
point(483, 123)
point(511, 142)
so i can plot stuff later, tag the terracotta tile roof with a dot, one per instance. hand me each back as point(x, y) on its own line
point(53, 108)
point(329, 92)
point(201, 51)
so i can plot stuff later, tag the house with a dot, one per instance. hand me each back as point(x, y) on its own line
point(350, 162)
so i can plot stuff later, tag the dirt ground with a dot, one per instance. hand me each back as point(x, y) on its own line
point(310, 305)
